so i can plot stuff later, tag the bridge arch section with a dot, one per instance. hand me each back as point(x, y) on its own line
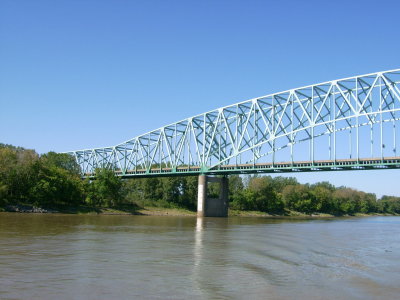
point(350, 123)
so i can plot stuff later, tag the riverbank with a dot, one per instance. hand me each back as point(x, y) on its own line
point(160, 211)
point(127, 210)
point(296, 214)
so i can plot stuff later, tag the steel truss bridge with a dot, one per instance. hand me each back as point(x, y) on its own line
point(345, 124)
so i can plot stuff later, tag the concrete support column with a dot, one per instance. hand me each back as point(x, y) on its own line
point(208, 207)
point(202, 195)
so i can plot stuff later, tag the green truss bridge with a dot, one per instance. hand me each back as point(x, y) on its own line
point(344, 124)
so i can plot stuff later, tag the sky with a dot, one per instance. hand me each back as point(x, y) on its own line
point(94, 73)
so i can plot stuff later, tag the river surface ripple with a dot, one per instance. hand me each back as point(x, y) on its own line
point(146, 257)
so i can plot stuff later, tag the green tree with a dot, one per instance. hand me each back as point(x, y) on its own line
point(299, 198)
point(346, 201)
point(55, 187)
point(172, 190)
point(279, 182)
point(62, 160)
point(322, 194)
point(368, 203)
point(263, 195)
point(389, 204)
point(16, 174)
point(105, 190)
point(189, 191)
point(133, 190)
point(235, 185)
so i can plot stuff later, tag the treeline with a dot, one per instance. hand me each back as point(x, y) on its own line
point(52, 181)
point(280, 194)
point(29, 179)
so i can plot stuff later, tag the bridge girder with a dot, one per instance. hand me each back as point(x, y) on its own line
point(349, 123)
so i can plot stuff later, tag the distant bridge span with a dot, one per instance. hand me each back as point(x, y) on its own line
point(345, 124)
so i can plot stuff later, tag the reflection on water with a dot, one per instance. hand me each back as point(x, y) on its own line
point(198, 241)
point(103, 257)
point(198, 255)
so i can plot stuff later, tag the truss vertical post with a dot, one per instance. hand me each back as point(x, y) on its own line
point(292, 129)
point(255, 133)
point(372, 128)
point(273, 130)
point(350, 141)
point(357, 123)
point(394, 138)
point(330, 125)
point(334, 124)
point(312, 125)
point(381, 117)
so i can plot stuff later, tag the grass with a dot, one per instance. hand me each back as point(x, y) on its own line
point(128, 210)
point(159, 211)
point(286, 213)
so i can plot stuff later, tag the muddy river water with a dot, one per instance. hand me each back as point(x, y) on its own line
point(46, 256)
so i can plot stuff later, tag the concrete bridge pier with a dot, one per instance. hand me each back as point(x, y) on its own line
point(212, 207)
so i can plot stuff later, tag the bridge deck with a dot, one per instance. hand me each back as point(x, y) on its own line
point(277, 167)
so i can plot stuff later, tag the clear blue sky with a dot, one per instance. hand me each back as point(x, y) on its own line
point(92, 73)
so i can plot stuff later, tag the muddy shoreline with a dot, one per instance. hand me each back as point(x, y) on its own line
point(157, 211)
